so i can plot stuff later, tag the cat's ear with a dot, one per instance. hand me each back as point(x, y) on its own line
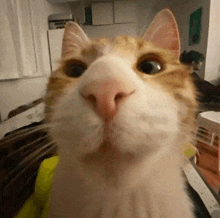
point(74, 38)
point(163, 32)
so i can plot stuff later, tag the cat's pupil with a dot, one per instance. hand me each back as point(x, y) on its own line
point(75, 70)
point(149, 67)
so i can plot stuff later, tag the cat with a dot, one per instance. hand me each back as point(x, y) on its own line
point(120, 111)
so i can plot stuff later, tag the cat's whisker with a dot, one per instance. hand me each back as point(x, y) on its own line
point(37, 146)
point(25, 147)
point(11, 141)
point(38, 155)
point(39, 150)
point(22, 133)
point(31, 157)
point(42, 145)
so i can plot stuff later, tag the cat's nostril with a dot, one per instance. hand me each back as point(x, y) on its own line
point(119, 96)
point(91, 98)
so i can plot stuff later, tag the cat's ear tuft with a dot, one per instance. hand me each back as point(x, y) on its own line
point(163, 32)
point(74, 38)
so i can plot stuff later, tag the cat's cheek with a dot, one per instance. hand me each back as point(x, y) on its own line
point(75, 127)
point(142, 127)
point(144, 140)
point(183, 110)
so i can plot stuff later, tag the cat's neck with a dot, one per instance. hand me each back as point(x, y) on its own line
point(140, 192)
point(126, 168)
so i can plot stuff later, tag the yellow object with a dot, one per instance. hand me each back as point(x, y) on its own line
point(189, 150)
point(38, 204)
point(29, 210)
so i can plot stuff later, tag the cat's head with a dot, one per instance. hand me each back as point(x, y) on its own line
point(115, 100)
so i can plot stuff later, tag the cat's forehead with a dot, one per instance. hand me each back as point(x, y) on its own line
point(123, 46)
point(127, 47)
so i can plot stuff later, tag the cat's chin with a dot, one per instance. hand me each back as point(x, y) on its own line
point(108, 155)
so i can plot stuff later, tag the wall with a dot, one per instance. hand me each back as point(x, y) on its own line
point(213, 51)
point(182, 11)
point(17, 92)
point(147, 9)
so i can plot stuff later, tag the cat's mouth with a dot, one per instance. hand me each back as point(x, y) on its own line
point(108, 154)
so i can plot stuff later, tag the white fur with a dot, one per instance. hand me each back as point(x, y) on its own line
point(145, 126)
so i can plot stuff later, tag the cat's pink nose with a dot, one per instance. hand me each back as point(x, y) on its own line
point(106, 96)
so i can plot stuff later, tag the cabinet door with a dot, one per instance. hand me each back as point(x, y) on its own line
point(125, 11)
point(102, 13)
point(17, 56)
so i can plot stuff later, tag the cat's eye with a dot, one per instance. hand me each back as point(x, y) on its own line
point(149, 66)
point(74, 69)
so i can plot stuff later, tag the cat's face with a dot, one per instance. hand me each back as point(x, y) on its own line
point(122, 99)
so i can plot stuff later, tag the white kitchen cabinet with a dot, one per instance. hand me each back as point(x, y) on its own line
point(40, 11)
point(17, 55)
point(24, 49)
point(125, 11)
point(102, 13)
point(55, 38)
